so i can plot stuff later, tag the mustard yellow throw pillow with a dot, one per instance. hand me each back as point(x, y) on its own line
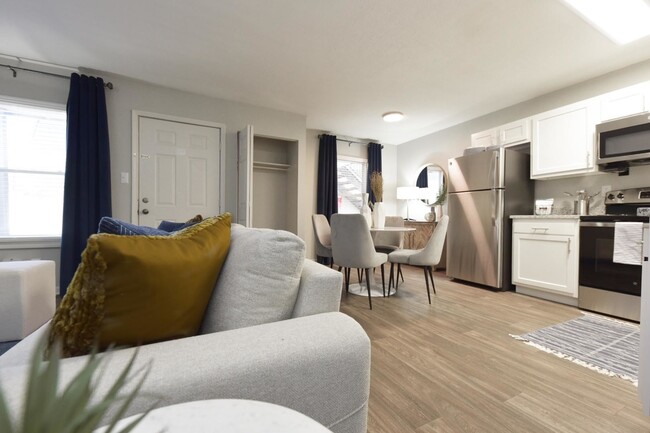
point(131, 290)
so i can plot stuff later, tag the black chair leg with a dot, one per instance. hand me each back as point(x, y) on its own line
point(431, 278)
point(368, 286)
point(360, 275)
point(390, 277)
point(383, 281)
point(346, 271)
point(426, 280)
point(399, 269)
point(401, 275)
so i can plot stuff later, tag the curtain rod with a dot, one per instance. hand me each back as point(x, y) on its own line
point(352, 141)
point(13, 69)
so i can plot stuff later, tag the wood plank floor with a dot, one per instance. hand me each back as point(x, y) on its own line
point(452, 366)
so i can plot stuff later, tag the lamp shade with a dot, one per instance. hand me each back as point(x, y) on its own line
point(408, 193)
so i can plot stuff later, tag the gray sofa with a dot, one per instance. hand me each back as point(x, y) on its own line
point(316, 362)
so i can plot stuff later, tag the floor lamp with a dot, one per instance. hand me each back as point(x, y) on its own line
point(408, 193)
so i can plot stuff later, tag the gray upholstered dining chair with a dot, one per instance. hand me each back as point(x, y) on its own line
point(426, 258)
point(352, 247)
point(323, 233)
point(387, 242)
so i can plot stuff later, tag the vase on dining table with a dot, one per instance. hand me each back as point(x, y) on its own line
point(378, 215)
point(365, 209)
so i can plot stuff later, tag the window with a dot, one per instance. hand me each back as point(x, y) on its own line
point(352, 176)
point(32, 168)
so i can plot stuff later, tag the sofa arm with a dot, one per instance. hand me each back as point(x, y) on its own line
point(318, 365)
point(320, 290)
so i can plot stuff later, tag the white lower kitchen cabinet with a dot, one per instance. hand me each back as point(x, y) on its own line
point(545, 257)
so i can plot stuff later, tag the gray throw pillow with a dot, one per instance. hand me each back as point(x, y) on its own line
point(259, 281)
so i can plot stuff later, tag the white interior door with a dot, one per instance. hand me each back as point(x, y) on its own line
point(245, 176)
point(178, 170)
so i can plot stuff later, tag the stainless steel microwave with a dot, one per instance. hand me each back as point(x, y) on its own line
point(623, 142)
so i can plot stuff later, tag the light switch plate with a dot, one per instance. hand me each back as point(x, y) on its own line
point(124, 178)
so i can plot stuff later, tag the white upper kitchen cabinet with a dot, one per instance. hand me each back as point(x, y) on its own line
point(625, 102)
point(512, 133)
point(515, 132)
point(484, 138)
point(563, 140)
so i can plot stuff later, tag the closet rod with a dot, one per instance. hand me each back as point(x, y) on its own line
point(13, 69)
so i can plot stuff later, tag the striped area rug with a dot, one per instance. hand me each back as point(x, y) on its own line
point(602, 344)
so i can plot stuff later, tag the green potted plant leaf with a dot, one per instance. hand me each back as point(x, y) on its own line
point(436, 206)
point(75, 409)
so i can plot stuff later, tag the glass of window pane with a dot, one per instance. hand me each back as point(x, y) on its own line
point(352, 175)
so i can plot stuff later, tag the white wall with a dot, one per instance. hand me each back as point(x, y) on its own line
point(401, 164)
point(129, 94)
point(389, 173)
point(451, 142)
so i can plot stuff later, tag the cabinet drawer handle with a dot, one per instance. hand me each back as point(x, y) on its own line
point(568, 245)
point(540, 228)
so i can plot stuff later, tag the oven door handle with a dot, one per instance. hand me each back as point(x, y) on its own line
point(603, 224)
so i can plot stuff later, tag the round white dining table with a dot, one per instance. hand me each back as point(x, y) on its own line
point(392, 229)
point(224, 415)
point(375, 286)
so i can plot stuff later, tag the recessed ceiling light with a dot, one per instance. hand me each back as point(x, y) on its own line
point(393, 116)
point(622, 21)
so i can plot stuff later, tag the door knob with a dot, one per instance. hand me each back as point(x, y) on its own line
point(145, 200)
point(145, 211)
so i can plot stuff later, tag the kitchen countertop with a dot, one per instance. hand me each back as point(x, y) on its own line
point(545, 216)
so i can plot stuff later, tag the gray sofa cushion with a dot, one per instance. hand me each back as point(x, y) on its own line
point(259, 281)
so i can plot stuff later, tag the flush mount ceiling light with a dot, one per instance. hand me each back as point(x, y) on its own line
point(622, 21)
point(393, 116)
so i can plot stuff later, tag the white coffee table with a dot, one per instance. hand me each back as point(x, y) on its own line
point(227, 415)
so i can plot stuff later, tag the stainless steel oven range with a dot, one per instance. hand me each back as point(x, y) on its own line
point(606, 285)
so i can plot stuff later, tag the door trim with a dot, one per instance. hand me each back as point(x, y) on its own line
point(135, 151)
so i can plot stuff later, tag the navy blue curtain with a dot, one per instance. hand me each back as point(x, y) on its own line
point(374, 164)
point(327, 195)
point(423, 179)
point(87, 188)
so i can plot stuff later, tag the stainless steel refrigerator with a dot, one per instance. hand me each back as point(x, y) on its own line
point(485, 188)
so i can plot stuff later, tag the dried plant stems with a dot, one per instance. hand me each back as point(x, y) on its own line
point(377, 185)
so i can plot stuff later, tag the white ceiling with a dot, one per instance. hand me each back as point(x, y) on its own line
point(342, 63)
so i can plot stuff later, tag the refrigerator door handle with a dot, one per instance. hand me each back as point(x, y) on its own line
point(495, 207)
point(495, 171)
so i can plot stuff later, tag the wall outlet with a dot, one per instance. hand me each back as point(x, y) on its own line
point(605, 189)
point(124, 177)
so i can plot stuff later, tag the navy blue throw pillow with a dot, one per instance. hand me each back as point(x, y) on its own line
point(172, 226)
point(118, 227)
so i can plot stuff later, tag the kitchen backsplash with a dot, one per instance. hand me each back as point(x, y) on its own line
point(639, 177)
